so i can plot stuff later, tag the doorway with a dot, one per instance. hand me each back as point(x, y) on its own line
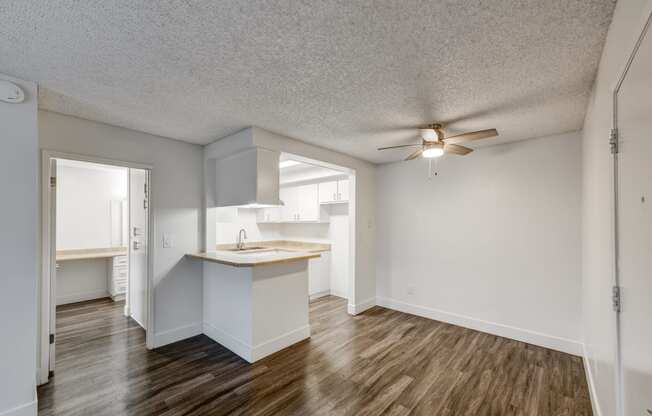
point(632, 149)
point(96, 256)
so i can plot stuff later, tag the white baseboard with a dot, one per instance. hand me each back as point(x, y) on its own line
point(338, 294)
point(177, 334)
point(119, 297)
point(319, 295)
point(27, 409)
point(354, 309)
point(235, 345)
point(81, 296)
point(519, 334)
point(595, 404)
point(266, 348)
point(254, 353)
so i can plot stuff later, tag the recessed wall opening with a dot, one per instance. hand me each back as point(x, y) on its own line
point(317, 215)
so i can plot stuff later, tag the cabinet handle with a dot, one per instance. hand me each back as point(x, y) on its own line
point(334, 197)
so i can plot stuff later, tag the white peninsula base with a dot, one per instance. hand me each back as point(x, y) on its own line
point(256, 311)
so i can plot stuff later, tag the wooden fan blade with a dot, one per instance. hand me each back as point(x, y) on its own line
point(456, 149)
point(399, 146)
point(475, 135)
point(414, 155)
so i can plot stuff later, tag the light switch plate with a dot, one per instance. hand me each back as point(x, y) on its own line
point(168, 241)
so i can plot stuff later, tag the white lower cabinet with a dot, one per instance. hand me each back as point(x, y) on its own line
point(319, 275)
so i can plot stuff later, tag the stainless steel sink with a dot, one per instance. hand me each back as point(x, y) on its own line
point(246, 249)
point(263, 252)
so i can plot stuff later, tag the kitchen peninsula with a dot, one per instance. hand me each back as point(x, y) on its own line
point(255, 299)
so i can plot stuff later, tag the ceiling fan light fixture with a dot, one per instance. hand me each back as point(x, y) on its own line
point(428, 134)
point(433, 151)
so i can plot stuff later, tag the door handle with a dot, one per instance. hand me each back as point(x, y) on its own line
point(136, 245)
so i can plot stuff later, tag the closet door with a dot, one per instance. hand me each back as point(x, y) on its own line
point(634, 220)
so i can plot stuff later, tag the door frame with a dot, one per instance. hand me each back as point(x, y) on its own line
point(48, 245)
point(638, 37)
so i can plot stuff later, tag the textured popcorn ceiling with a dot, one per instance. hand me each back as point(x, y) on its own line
point(346, 75)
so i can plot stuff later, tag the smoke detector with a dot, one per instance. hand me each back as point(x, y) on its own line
point(11, 93)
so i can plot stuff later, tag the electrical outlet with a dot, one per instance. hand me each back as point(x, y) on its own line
point(410, 289)
point(167, 241)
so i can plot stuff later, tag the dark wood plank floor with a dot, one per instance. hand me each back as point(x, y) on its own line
point(379, 363)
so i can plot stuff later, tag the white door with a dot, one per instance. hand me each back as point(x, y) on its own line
point(634, 124)
point(138, 244)
point(343, 190)
point(308, 203)
point(327, 192)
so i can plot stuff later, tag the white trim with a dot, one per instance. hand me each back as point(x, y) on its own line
point(355, 309)
point(338, 294)
point(25, 409)
point(519, 334)
point(81, 296)
point(321, 294)
point(45, 256)
point(176, 334)
point(254, 353)
point(273, 345)
point(233, 344)
point(593, 393)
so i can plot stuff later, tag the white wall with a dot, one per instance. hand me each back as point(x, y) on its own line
point(84, 196)
point(599, 326)
point(177, 195)
point(80, 280)
point(492, 242)
point(18, 252)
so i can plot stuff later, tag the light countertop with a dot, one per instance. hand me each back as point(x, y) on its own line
point(259, 257)
point(90, 253)
point(289, 245)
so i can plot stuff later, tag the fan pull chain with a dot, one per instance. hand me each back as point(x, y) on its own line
point(432, 172)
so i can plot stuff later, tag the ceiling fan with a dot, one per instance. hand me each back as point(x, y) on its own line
point(434, 144)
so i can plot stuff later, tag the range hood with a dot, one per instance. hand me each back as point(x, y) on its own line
point(248, 178)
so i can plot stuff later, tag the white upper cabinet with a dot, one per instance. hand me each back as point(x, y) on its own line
point(308, 203)
point(300, 204)
point(327, 192)
point(343, 190)
point(334, 191)
point(290, 198)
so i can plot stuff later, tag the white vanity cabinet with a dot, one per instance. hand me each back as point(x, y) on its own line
point(334, 191)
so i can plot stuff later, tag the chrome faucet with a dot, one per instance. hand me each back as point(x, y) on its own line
point(242, 236)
